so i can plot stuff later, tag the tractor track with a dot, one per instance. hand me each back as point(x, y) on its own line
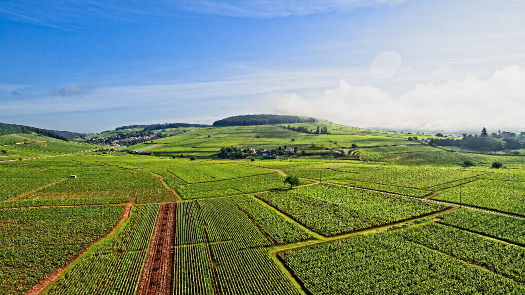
point(156, 278)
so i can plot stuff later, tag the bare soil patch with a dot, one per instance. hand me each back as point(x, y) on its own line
point(156, 278)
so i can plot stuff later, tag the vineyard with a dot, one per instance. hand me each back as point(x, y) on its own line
point(331, 210)
point(384, 220)
point(115, 266)
point(219, 250)
point(500, 257)
point(388, 264)
point(45, 239)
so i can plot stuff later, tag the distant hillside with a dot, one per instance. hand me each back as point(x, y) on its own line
point(161, 126)
point(70, 135)
point(262, 120)
point(13, 129)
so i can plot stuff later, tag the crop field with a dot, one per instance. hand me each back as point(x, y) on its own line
point(232, 187)
point(415, 181)
point(101, 182)
point(331, 210)
point(115, 266)
point(219, 250)
point(504, 196)
point(205, 173)
point(500, 227)
point(361, 220)
point(498, 256)
point(45, 239)
point(388, 264)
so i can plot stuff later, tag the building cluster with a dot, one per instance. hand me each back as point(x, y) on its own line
point(122, 141)
point(270, 153)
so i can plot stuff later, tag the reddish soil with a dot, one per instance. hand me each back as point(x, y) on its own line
point(37, 289)
point(156, 278)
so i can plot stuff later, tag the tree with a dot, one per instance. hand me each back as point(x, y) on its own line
point(497, 165)
point(292, 180)
point(484, 132)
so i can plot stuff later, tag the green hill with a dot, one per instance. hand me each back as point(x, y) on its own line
point(14, 129)
point(246, 120)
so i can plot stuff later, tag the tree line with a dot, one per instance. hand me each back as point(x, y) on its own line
point(493, 142)
point(262, 120)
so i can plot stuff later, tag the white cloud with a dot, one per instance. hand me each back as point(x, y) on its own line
point(496, 102)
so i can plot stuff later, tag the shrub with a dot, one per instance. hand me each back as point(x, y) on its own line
point(497, 165)
point(468, 163)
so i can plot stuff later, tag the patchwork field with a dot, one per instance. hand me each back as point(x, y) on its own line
point(381, 217)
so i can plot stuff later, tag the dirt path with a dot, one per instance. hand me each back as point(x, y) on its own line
point(27, 138)
point(156, 278)
point(165, 186)
point(37, 289)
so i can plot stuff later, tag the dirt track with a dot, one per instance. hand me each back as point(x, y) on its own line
point(157, 272)
point(42, 285)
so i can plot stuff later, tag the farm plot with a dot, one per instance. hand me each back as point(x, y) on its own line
point(412, 154)
point(499, 257)
point(64, 202)
point(277, 228)
point(203, 172)
point(414, 181)
point(504, 196)
point(45, 239)
point(331, 210)
point(219, 250)
point(388, 264)
point(496, 226)
point(115, 266)
point(232, 187)
point(104, 183)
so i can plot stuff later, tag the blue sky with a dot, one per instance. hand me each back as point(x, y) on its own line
point(89, 66)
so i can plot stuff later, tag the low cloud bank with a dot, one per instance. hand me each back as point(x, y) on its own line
point(496, 102)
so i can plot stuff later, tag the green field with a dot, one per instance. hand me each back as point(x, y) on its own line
point(45, 239)
point(363, 219)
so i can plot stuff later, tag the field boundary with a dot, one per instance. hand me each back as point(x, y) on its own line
point(35, 190)
point(166, 187)
point(47, 281)
point(276, 250)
